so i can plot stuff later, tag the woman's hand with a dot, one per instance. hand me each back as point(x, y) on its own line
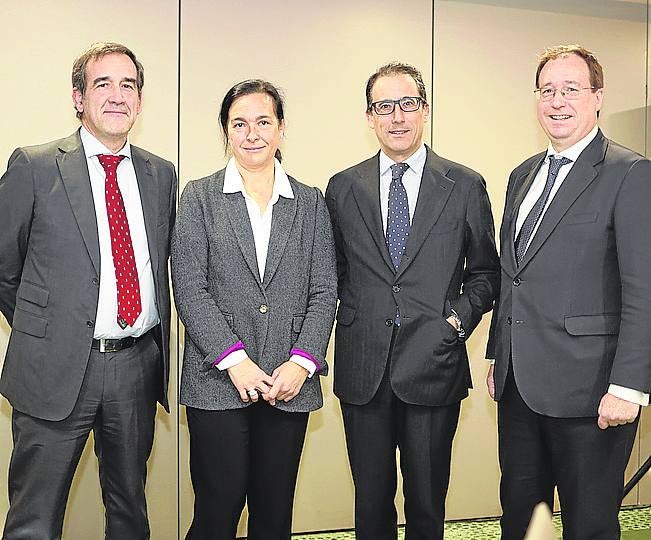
point(249, 379)
point(288, 379)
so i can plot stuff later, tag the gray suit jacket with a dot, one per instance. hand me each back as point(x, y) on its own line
point(449, 261)
point(49, 269)
point(219, 293)
point(575, 316)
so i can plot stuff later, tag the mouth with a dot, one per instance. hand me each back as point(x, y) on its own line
point(253, 149)
point(560, 116)
point(398, 131)
point(116, 112)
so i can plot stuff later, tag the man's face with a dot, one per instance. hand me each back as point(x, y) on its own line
point(567, 121)
point(400, 133)
point(111, 102)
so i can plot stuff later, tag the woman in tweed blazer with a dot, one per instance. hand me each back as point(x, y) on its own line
point(253, 268)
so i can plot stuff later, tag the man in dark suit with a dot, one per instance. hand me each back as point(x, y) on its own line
point(85, 227)
point(417, 269)
point(570, 333)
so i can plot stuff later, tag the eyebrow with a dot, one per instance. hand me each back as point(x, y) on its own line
point(107, 78)
point(261, 117)
point(564, 82)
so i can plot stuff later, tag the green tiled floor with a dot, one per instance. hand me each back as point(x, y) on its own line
point(635, 523)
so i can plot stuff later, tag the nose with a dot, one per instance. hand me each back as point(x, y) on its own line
point(398, 114)
point(558, 100)
point(116, 94)
point(252, 135)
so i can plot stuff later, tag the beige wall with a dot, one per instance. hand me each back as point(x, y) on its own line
point(483, 55)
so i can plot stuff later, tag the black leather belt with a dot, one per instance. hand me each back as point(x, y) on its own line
point(115, 345)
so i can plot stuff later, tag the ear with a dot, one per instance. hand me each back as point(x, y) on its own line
point(599, 96)
point(281, 129)
point(425, 112)
point(77, 99)
point(370, 119)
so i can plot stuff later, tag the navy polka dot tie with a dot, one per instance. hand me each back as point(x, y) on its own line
point(529, 224)
point(126, 273)
point(398, 215)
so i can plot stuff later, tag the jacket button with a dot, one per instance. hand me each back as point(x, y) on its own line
point(95, 281)
point(389, 322)
point(509, 320)
point(90, 324)
point(263, 308)
point(396, 288)
point(517, 282)
point(519, 322)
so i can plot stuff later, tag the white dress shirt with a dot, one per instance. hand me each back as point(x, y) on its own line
point(536, 189)
point(261, 226)
point(410, 179)
point(106, 325)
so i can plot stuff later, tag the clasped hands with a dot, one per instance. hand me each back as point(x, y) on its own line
point(252, 382)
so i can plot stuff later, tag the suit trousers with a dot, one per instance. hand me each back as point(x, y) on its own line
point(424, 436)
point(250, 454)
point(117, 402)
point(584, 462)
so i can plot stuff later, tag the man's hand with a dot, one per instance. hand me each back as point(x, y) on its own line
point(247, 377)
point(288, 380)
point(614, 411)
point(490, 381)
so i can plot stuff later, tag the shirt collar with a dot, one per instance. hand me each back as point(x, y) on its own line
point(233, 181)
point(93, 147)
point(574, 151)
point(416, 161)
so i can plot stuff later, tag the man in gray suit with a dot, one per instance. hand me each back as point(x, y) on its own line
point(417, 268)
point(85, 227)
point(570, 333)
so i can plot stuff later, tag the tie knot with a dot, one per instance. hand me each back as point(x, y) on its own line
point(110, 162)
point(555, 163)
point(397, 170)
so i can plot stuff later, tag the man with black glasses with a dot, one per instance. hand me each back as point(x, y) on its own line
point(570, 333)
point(417, 270)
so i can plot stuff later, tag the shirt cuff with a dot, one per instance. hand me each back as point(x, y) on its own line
point(629, 394)
point(231, 356)
point(305, 359)
point(491, 361)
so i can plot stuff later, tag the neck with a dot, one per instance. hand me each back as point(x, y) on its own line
point(114, 144)
point(261, 177)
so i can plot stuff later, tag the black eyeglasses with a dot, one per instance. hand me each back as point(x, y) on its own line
point(387, 106)
point(571, 92)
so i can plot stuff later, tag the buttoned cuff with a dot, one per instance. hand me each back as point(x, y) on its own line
point(629, 394)
point(231, 356)
point(306, 360)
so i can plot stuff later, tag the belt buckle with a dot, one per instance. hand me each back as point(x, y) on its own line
point(102, 345)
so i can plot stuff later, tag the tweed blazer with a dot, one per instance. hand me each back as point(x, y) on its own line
point(221, 298)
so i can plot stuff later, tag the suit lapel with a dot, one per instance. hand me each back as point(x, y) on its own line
point(148, 188)
point(238, 216)
point(434, 192)
point(522, 190)
point(582, 174)
point(367, 196)
point(284, 212)
point(73, 169)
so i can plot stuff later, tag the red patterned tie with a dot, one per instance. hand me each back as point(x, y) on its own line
point(126, 273)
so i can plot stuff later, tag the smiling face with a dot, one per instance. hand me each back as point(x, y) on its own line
point(254, 131)
point(567, 121)
point(400, 134)
point(111, 102)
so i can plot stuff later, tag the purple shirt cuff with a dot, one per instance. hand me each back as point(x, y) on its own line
point(307, 356)
point(235, 347)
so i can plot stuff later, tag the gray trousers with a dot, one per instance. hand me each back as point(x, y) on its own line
point(117, 401)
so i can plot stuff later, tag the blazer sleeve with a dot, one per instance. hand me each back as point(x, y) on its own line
point(204, 323)
point(331, 202)
point(482, 272)
point(632, 218)
point(16, 207)
point(322, 290)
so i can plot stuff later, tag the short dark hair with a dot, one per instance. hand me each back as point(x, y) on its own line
point(563, 51)
point(98, 50)
point(395, 68)
point(244, 88)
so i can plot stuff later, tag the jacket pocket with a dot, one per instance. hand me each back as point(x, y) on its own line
point(345, 315)
point(29, 323)
point(576, 219)
point(33, 293)
point(297, 322)
point(587, 325)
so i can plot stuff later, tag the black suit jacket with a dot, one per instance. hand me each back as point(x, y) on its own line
point(575, 316)
point(450, 260)
point(49, 269)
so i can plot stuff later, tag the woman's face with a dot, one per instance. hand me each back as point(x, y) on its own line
point(254, 132)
